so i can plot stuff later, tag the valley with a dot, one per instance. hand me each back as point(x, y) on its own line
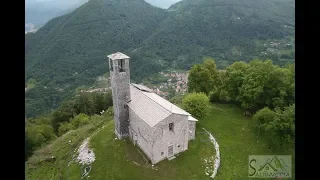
point(175, 38)
point(210, 83)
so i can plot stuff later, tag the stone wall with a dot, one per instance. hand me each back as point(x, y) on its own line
point(141, 132)
point(154, 141)
point(178, 138)
point(192, 130)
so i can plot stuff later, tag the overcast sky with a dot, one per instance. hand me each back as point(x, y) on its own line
point(162, 3)
point(65, 3)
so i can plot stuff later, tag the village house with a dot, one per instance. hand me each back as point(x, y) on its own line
point(158, 127)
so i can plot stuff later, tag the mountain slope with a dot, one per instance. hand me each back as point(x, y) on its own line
point(40, 12)
point(70, 50)
point(79, 42)
point(216, 27)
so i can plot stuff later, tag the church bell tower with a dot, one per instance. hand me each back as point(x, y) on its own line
point(120, 84)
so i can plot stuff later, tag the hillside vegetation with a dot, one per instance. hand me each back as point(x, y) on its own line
point(70, 51)
point(115, 159)
point(265, 124)
point(263, 90)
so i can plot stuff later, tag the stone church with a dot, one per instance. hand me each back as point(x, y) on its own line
point(158, 127)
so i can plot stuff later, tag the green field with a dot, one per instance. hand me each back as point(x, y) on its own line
point(121, 160)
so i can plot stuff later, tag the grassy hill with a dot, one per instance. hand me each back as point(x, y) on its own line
point(70, 50)
point(119, 159)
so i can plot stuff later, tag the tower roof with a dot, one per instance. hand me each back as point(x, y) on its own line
point(118, 55)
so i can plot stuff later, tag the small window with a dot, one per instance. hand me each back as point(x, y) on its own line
point(111, 65)
point(161, 153)
point(178, 146)
point(125, 106)
point(122, 65)
point(170, 126)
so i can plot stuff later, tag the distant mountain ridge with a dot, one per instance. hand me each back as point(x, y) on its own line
point(38, 13)
point(70, 50)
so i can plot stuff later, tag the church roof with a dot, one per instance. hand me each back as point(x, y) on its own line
point(142, 88)
point(190, 118)
point(118, 55)
point(150, 107)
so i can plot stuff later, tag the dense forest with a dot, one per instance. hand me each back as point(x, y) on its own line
point(70, 50)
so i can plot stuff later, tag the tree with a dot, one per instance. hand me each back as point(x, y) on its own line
point(202, 77)
point(197, 104)
point(37, 135)
point(291, 84)
point(235, 74)
point(252, 93)
point(277, 88)
point(28, 148)
point(282, 128)
point(263, 117)
point(84, 103)
point(101, 101)
point(219, 95)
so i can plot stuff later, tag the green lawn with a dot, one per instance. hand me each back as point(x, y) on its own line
point(121, 160)
point(237, 139)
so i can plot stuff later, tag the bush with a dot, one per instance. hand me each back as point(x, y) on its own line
point(197, 104)
point(64, 127)
point(39, 140)
point(39, 134)
point(214, 96)
point(47, 132)
point(109, 112)
point(282, 127)
point(176, 99)
point(264, 116)
point(79, 120)
point(279, 125)
point(97, 120)
point(220, 96)
point(224, 97)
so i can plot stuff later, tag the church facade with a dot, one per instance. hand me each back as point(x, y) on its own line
point(158, 127)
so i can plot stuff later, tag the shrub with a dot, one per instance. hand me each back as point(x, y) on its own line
point(109, 112)
point(264, 116)
point(79, 120)
point(197, 104)
point(64, 127)
point(220, 96)
point(282, 127)
point(214, 96)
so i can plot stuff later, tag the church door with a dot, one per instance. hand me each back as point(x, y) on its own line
point(170, 151)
